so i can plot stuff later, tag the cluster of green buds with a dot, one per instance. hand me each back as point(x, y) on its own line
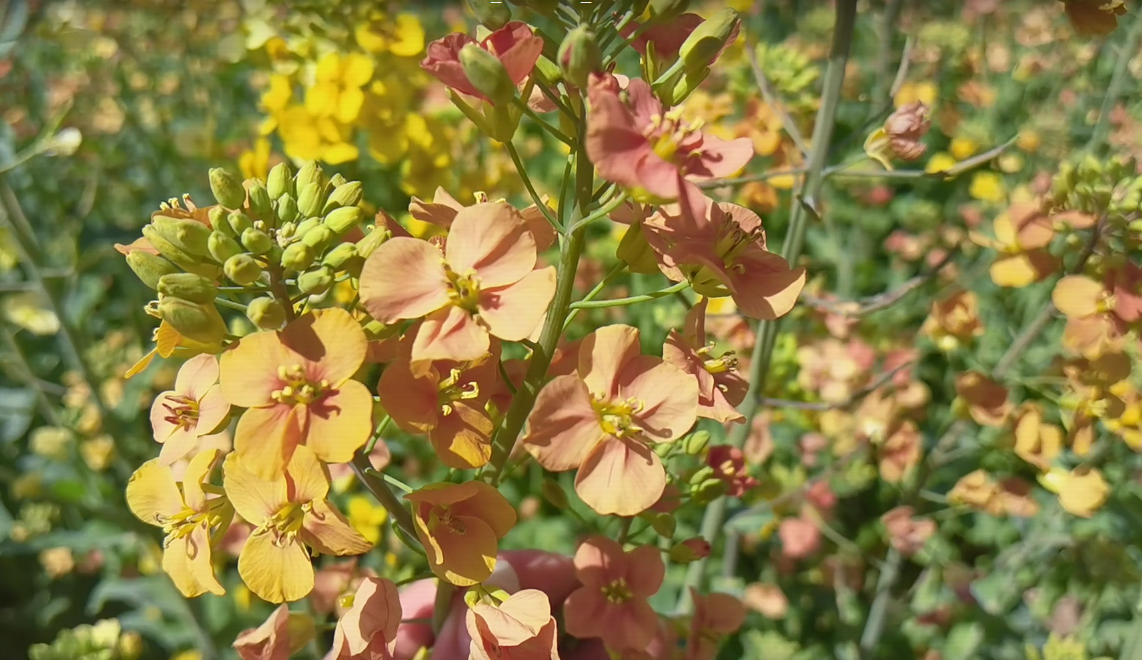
point(103, 641)
point(1096, 187)
point(791, 71)
point(676, 78)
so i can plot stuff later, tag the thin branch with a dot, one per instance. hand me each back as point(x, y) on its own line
point(849, 402)
point(857, 308)
point(770, 96)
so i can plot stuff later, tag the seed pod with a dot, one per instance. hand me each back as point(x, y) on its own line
point(149, 267)
point(222, 247)
point(227, 188)
point(257, 241)
point(487, 74)
point(554, 494)
point(287, 209)
point(310, 201)
point(242, 269)
point(189, 235)
point(315, 282)
point(188, 286)
point(342, 257)
point(266, 313)
point(279, 181)
point(196, 321)
point(491, 15)
point(297, 256)
point(346, 194)
point(343, 219)
point(260, 202)
point(319, 238)
point(239, 222)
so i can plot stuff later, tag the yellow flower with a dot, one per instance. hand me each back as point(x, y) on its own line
point(255, 163)
point(403, 37)
point(291, 515)
point(187, 516)
point(338, 91)
point(308, 137)
point(987, 187)
point(366, 516)
point(963, 147)
point(278, 95)
point(1081, 491)
point(98, 452)
point(916, 91)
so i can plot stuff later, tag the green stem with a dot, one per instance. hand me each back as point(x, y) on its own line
point(794, 242)
point(619, 302)
point(380, 490)
point(380, 428)
point(603, 283)
point(601, 212)
point(530, 187)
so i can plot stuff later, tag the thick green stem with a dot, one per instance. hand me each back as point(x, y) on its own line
point(380, 490)
point(794, 242)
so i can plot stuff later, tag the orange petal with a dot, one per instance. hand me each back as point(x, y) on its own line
point(1077, 296)
point(266, 437)
point(620, 478)
point(152, 494)
point(463, 438)
point(404, 278)
point(327, 531)
point(493, 240)
point(489, 505)
point(450, 334)
point(307, 479)
point(186, 560)
point(411, 400)
point(197, 473)
point(668, 395)
point(332, 340)
point(562, 428)
point(249, 371)
point(340, 423)
point(466, 557)
point(514, 312)
point(645, 571)
point(275, 573)
point(254, 499)
point(603, 354)
point(196, 376)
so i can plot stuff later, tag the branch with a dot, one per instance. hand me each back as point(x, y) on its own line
point(770, 96)
point(857, 308)
point(852, 400)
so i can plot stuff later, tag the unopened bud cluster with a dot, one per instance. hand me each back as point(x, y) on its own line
point(1096, 187)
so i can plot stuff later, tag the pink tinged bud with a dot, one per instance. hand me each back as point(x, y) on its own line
point(487, 74)
point(905, 128)
point(708, 40)
point(579, 56)
point(690, 550)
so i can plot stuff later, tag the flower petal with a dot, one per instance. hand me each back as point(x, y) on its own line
point(1077, 296)
point(562, 428)
point(645, 571)
point(197, 375)
point(340, 423)
point(493, 240)
point(249, 371)
point(254, 499)
point(186, 560)
point(489, 505)
point(265, 438)
point(410, 399)
point(197, 473)
point(669, 397)
point(465, 557)
point(603, 354)
point(404, 278)
point(620, 478)
point(513, 312)
point(275, 573)
point(326, 530)
point(462, 439)
point(330, 339)
point(152, 494)
point(449, 334)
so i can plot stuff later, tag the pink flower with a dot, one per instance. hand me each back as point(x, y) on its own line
point(515, 44)
point(715, 615)
point(799, 538)
point(720, 386)
point(369, 628)
point(604, 419)
point(485, 283)
point(279, 637)
point(611, 604)
point(729, 466)
point(442, 210)
point(520, 628)
point(721, 249)
point(194, 408)
point(638, 144)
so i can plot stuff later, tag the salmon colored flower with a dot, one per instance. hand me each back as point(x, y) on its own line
point(800, 537)
point(446, 400)
point(194, 408)
point(901, 451)
point(720, 249)
point(192, 521)
point(715, 616)
point(369, 628)
point(637, 143)
point(520, 628)
point(985, 399)
point(515, 44)
point(1022, 234)
point(460, 526)
point(612, 603)
point(442, 210)
point(486, 283)
point(729, 466)
point(282, 635)
point(297, 385)
point(954, 320)
point(720, 386)
point(604, 420)
point(291, 515)
point(906, 533)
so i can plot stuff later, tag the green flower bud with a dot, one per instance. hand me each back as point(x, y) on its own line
point(696, 442)
point(663, 524)
point(260, 202)
point(227, 188)
point(257, 241)
point(346, 194)
point(199, 322)
point(279, 181)
point(662, 10)
point(222, 247)
point(266, 313)
point(310, 201)
point(579, 56)
point(702, 46)
point(217, 217)
point(491, 15)
point(700, 475)
point(149, 267)
point(343, 219)
point(242, 269)
point(708, 491)
point(297, 256)
point(239, 222)
point(188, 286)
point(690, 550)
point(305, 226)
point(189, 235)
point(169, 250)
point(315, 282)
point(286, 233)
point(309, 173)
point(487, 74)
point(287, 209)
point(344, 257)
point(372, 241)
point(554, 494)
point(548, 70)
point(319, 238)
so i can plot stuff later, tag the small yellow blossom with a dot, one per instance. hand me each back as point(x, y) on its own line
point(367, 517)
point(987, 187)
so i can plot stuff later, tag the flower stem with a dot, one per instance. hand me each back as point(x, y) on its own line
point(380, 490)
point(530, 187)
point(794, 242)
point(619, 302)
point(607, 279)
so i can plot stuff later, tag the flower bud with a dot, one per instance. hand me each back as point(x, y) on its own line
point(579, 56)
point(661, 10)
point(279, 181)
point(554, 494)
point(149, 267)
point(696, 442)
point(346, 194)
point(189, 235)
point(491, 15)
point(242, 269)
point(343, 219)
point(227, 188)
point(188, 286)
point(222, 247)
point(487, 74)
point(309, 173)
point(635, 250)
point(344, 257)
point(905, 128)
point(664, 524)
point(701, 48)
point(337, 179)
point(708, 491)
point(305, 226)
point(195, 321)
point(260, 202)
point(700, 475)
point(690, 550)
point(257, 241)
point(239, 222)
point(266, 313)
point(287, 209)
point(319, 238)
point(217, 216)
point(315, 282)
point(169, 250)
point(372, 240)
point(310, 201)
point(297, 256)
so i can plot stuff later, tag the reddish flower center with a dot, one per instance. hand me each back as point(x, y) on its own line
point(452, 390)
point(617, 591)
point(297, 388)
point(441, 516)
point(617, 417)
point(182, 411)
point(670, 135)
point(464, 289)
point(286, 524)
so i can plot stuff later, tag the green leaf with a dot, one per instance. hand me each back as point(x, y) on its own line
point(962, 641)
point(995, 593)
point(16, 412)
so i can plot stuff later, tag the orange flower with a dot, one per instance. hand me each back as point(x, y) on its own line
point(485, 284)
point(986, 399)
point(442, 210)
point(1036, 441)
point(460, 526)
point(291, 514)
point(906, 533)
point(612, 603)
point(603, 421)
point(282, 635)
point(520, 627)
point(715, 615)
point(194, 408)
point(954, 320)
point(1021, 234)
point(900, 452)
point(1081, 491)
point(298, 388)
point(720, 386)
point(369, 628)
point(1094, 18)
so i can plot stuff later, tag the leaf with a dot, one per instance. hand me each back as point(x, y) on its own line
point(994, 593)
point(14, 20)
point(962, 641)
point(152, 591)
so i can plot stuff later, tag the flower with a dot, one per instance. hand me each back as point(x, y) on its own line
point(515, 45)
point(445, 399)
point(289, 512)
point(485, 284)
point(666, 38)
point(460, 526)
point(188, 517)
point(194, 408)
point(297, 385)
point(1094, 18)
point(369, 628)
point(1036, 441)
point(720, 386)
point(520, 627)
point(280, 636)
point(985, 399)
point(338, 89)
point(906, 533)
point(729, 466)
point(612, 603)
point(954, 320)
point(800, 538)
point(603, 420)
point(366, 516)
point(715, 615)
point(639, 144)
point(442, 210)
point(900, 135)
point(1022, 233)
point(1081, 491)
point(720, 249)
